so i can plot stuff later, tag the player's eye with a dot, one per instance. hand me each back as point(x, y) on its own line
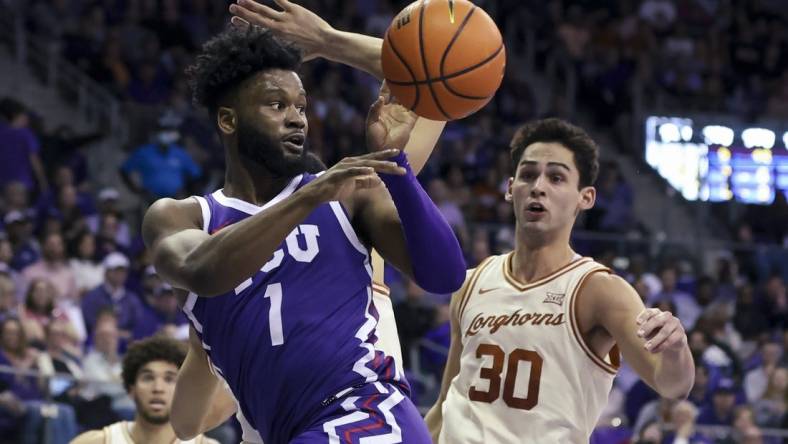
point(301, 109)
point(278, 106)
point(557, 178)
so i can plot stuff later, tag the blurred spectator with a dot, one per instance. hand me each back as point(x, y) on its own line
point(88, 272)
point(757, 379)
point(53, 267)
point(39, 311)
point(162, 168)
point(9, 305)
point(159, 310)
point(613, 208)
point(701, 390)
point(720, 410)
point(21, 396)
point(687, 309)
point(19, 159)
point(683, 419)
point(771, 408)
point(743, 420)
point(101, 223)
point(750, 319)
point(20, 233)
point(113, 295)
point(102, 366)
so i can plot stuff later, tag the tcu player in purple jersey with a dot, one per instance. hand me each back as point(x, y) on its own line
point(277, 262)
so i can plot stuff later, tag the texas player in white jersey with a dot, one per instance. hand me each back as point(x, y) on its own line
point(536, 332)
point(150, 369)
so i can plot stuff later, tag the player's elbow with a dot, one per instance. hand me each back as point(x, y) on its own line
point(186, 428)
point(676, 389)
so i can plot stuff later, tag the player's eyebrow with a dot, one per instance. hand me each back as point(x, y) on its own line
point(553, 164)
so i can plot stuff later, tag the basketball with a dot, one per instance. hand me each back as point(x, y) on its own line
point(443, 59)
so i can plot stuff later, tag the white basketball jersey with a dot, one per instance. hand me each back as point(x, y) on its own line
point(526, 375)
point(388, 338)
point(120, 433)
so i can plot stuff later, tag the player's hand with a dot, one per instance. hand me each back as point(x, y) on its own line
point(388, 123)
point(353, 173)
point(295, 23)
point(661, 330)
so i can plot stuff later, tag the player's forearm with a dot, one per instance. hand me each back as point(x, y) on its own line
point(675, 373)
point(237, 252)
point(422, 141)
point(435, 255)
point(193, 392)
point(222, 407)
point(357, 50)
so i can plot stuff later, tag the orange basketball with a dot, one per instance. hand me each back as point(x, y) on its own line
point(444, 59)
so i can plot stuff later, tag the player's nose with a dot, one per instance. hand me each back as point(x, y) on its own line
point(538, 188)
point(294, 118)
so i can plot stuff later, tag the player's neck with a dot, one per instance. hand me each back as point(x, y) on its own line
point(533, 261)
point(145, 432)
point(251, 182)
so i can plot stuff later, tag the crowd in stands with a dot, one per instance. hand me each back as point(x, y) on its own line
point(76, 284)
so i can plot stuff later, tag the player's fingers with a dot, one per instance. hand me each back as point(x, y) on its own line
point(284, 4)
point(262, 9)
point(376, 110)
point(382, 166)
point(368, 181)
point(377, 155)
point(385, 91)
point(251, 17)
point(647, 328)
point(674, 338)
point(658, 338)
point(239, 22)
point(645, 315)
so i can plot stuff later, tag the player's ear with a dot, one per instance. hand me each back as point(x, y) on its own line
point(587, 198)
point(508, 195)
point(226, 120)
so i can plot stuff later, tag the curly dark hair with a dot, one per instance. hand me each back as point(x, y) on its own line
point(154, 348)
point(574, 138)
point(234, 55)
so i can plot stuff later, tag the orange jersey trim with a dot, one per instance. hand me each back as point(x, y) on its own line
point(521, 286)
point(612, 367)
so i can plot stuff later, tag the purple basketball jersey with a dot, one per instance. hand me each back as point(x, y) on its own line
point(302, 328)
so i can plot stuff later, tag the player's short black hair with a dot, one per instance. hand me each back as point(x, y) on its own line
point(154, 348)
point(574, 138)
point(234, 55)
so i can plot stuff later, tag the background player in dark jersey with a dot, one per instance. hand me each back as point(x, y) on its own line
point(291, 328)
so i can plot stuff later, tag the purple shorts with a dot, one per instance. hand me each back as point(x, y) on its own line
point(377, 410)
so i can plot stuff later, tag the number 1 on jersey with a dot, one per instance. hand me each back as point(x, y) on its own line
point(274, 292)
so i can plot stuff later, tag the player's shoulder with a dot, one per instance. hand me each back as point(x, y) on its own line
point(471, 276)
point(603, 286)
point(168, 212)
point(89, 437)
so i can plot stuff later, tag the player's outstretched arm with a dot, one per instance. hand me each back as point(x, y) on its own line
point(653, 342)
point(200, 403)
point(209, 265)
point(312, 34)
point(401, 222)
point(434, 417)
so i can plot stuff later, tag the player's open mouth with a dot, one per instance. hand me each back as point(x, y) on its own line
point(536, 207)
point(157, 403)
point(295, 141)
